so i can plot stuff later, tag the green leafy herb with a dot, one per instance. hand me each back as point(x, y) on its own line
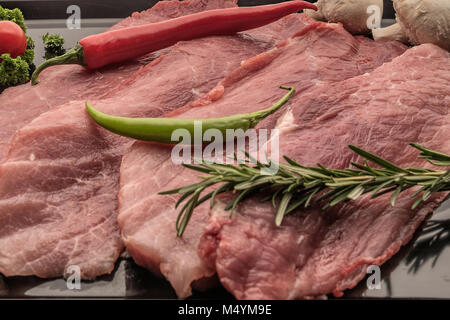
point(295, 185)
point(54, 45)
point(13, 71)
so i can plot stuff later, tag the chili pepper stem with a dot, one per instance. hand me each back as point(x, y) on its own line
point(257, 116)
point(73, 56)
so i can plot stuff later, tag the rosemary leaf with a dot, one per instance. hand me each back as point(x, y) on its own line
point(415, 194)
point(375, 159)
point(416, 203)
point(383, 185)
point(431, 154)
point(274, 197)
point(196, 168)
point(282, 208)
point(311, 195)
point(356, 192)
point(232, 205)
point(294, 205)
point(254, 183)
point(223, 188)
point(395, 194)
point(440, 163)
point(186, 213)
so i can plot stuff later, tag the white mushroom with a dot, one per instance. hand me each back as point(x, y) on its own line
point(357, 16)
point(419, 21)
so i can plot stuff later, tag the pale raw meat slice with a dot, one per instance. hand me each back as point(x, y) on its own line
point(62, 164)
point(164, 10)
point(60, 84)
point(321, 54)
point(318, 252)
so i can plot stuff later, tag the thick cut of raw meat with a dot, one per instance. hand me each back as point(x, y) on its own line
point(59, 182)
point(60, 84)
point(60, 179)
point(318, 252)
point(320, 54)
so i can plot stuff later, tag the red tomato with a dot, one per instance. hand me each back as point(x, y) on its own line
point(12, 39)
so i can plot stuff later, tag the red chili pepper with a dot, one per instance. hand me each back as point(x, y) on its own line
point(109, 47)
point(12, 39)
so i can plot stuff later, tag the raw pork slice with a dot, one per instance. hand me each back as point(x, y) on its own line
point(60, 84)
point(59, 183)
point(318, 252)
point(321, 53)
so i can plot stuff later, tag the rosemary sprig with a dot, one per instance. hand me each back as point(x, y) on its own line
point(295, 185)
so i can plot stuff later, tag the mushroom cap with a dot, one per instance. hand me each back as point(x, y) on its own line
point(425, 21)
point(351, 13)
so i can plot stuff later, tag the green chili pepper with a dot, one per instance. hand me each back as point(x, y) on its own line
point(161, 129)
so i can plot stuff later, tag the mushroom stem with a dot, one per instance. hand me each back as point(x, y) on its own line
point(357, 16)
point(316, 15)
point(419, 21)
point(393, 32)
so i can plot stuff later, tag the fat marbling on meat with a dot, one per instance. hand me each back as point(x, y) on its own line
point(319, 54)
point(60, 179)
point(317, 252)
point(61, 84)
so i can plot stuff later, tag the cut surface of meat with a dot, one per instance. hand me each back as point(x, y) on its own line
point(60, 84)
point(60, 179)
point(317, 252)
point(320, 54)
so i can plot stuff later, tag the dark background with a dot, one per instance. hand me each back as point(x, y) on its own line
point(56, 9)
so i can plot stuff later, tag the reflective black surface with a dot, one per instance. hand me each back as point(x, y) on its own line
point(421, 269)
